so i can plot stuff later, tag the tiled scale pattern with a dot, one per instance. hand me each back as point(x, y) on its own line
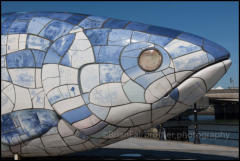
point(72, 82)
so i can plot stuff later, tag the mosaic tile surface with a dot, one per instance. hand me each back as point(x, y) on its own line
point(73, 82)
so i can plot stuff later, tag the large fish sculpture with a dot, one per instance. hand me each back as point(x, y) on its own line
point(74, 82)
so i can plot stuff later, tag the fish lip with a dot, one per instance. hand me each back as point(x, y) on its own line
point(196, 71)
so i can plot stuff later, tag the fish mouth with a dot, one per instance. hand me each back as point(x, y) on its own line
point(192, 88)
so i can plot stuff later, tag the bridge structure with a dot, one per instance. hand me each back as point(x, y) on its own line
point(225, 102)
point(229, 95)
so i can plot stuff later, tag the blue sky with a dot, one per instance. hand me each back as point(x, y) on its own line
point(216, 21)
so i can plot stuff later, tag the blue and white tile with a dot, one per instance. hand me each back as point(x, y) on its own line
point(104, 132)
point(178, 48)
point(37, 24)
point(80, 44)
point(86, 97)
point(51, 131)
point(81, 36)
point(64, 91)
point(94, 129)
point(139, 37)
point(89, 81)
point(191, 38)
point(76, 29)
point(159, 40)
point(6, 104)
point(23, 77)
point(3, 61)
point(131, 53)
point(217, 51)
point(62, 44)
point(76, 114)
point(160, 112)
point(86, 123)
point(115, 23)
point(141, 118)
point(134, 72)
point(124, 78)
point(3, 49)
point(168, 71)
point(157, 90)
point(50, 83)
point(33, 146)
point(54, 96)
point(206, 74)
point(96, 50)
point(137, 26)
point(128, 62)
point(106, 94)
point(4, 84)
point(4, 39)
point(22, 41)
point(74, 90)
point(163, 102)
point(171, 78)
point(99, 111)
point(12, 40)
point(38, 78)
point(73, 140)
point(119, 37)
point(134, 92)
point(98, 36)
point(125, 123)
point(60, 16)
point(109, 54)
point(68, 75)
point(5, 75)
point(39, 57)
point(110, 73)
point(38, 100)
point(23, 99)
point(92, 22)
point(163, 31)
point(165, 57)
point(191, 90)
point(65, 129)
point(52, 141)
point(19, 59)
point(192, 61)
point(78, 148)
point(55, 29)
point(50, 71)
point(79, 58)
point(146, 79)
point(10, 92)
point(125, 111)
point(211, 59)
point(138, 45)
point(65, 105)
point(180, 76)
point(18, 27)
point(38, 43)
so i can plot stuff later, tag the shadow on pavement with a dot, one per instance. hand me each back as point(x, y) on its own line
point(133, 154)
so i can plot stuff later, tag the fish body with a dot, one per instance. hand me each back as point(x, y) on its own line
point(74, 82)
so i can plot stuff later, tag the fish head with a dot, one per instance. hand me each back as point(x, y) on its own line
point(152, 72)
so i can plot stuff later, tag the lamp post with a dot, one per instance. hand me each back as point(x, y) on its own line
point(196, 135)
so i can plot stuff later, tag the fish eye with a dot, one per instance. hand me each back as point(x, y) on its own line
point(150, 59)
